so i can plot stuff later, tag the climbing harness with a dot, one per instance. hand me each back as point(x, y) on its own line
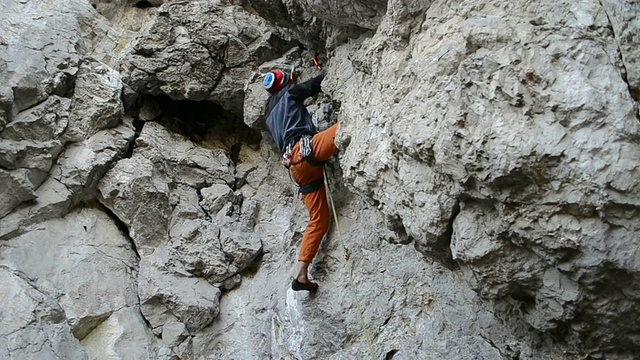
point(349, 267)
point(311, 187)
point(306, 153)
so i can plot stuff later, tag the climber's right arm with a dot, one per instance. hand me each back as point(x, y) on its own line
point(308, 88)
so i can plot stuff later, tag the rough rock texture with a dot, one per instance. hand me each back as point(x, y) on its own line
point(56, 94)
point(523, 161)
point(625, 22)
point(487, 185)
point(200, 51)
point(84, 242)
point(124, 335)
point(189, 247)
point(33, 325)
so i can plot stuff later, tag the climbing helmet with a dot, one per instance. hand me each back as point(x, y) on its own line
point(275, 80)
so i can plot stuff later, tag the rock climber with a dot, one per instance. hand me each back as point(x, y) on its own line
point(304, 150)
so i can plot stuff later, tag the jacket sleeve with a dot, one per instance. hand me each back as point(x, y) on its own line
point(308, 88)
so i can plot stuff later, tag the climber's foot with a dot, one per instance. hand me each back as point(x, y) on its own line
point(307, 286)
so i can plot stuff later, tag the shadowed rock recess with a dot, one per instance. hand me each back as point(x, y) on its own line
point(487, 187)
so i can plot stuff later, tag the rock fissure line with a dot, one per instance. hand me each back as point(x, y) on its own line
point(122, 226)
point(220, 74)
point(112, 257)
point(207, 216)
point(500, 351)
point(625, 73)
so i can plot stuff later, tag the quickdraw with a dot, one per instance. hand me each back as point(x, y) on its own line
point(306, 145)
point(286, 156)
point(306, 153)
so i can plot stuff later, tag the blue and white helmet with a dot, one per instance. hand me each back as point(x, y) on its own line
point(275, 80)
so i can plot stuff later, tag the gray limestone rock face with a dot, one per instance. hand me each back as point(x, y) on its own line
point(39, 49)
point(45, 122)
point(126, 16)
point(64, 97)
point(407, 311)
point(17, 188)
point(182, 160)
point(193, 236)
point(52, 200)
point(84, 261)
point(200, 50)
point(33, 326)
point(28, 154)
point(215, 197)
point(255, 99)
point(302, 16)
point(366, 14)
point(96, 103)
point(502, 140)
point(166, 297)
point(625, 20)
point(136, 194)
point(7, 109)
point(486, 188)
point(72, 179)
point(124, 335)
point(83, 164)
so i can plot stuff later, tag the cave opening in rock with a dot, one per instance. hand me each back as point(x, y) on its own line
point(206, 123)
point(391, 354)
point(143, 4)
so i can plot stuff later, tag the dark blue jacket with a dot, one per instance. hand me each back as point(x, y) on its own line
point(287, 117)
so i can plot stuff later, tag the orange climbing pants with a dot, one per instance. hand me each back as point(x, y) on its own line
point(304, 173)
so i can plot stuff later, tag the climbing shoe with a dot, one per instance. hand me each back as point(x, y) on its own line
point(297, 286)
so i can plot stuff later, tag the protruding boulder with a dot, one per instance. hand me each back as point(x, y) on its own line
point(96, 103)
point(200, 51)
point(165, 297)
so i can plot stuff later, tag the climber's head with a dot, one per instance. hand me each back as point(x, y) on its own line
point(275, 81)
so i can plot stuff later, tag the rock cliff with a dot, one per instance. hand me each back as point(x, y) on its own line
point(486, 190)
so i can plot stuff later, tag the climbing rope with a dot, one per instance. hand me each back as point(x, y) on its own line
point(349, 267)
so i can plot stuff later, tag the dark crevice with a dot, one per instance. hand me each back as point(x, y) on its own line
point(442, 250)
point(143, 4)
point(394, 223)
point(386, 321)
point(391, 354)
point(144, 318)
point(207, 216)
point(124, 229)
point(192, 119)
point(503, 354)
point(137, 125)
point(252, 268)
point(66, 87)
point(234, 153)
point(206, 123)
point(89, 323)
